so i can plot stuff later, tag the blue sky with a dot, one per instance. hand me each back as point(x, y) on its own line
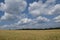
point(29, 14)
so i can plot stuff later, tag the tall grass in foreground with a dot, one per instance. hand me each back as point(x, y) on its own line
point(29, 34)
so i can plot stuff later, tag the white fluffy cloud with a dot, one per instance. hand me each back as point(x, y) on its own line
point(24, 20)
point(13, 12)
point(35, 8)
point(15, 18)
point(27, 21)
point(2, 6)
point(38, 8)
point(44, 19)
point(56, 9)
point(13, 8)
point(57, 19)
point(8, 17)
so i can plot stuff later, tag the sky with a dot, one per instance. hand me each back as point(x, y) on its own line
point(18, 14)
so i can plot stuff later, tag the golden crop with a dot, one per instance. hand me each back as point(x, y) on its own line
point(29, 34)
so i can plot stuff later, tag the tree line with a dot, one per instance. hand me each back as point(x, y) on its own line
point(39, 28)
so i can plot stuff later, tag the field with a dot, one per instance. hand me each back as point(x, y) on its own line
point(29, 34)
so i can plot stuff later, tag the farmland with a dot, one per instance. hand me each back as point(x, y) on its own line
point(29, 34)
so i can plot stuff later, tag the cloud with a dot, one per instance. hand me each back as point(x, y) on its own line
point(2, 6)
point(51, 1)
point(13, 11)
point(56, 9)
point(57, 19)
point(42, 19)
point(28, 23)
point(38, 8)
point(32, 21)
point(35, 8)
point(14, 18)
point(15, 7)
point(8, 17)
point(24, 20)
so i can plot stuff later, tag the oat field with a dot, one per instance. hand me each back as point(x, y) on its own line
point(29, 34)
